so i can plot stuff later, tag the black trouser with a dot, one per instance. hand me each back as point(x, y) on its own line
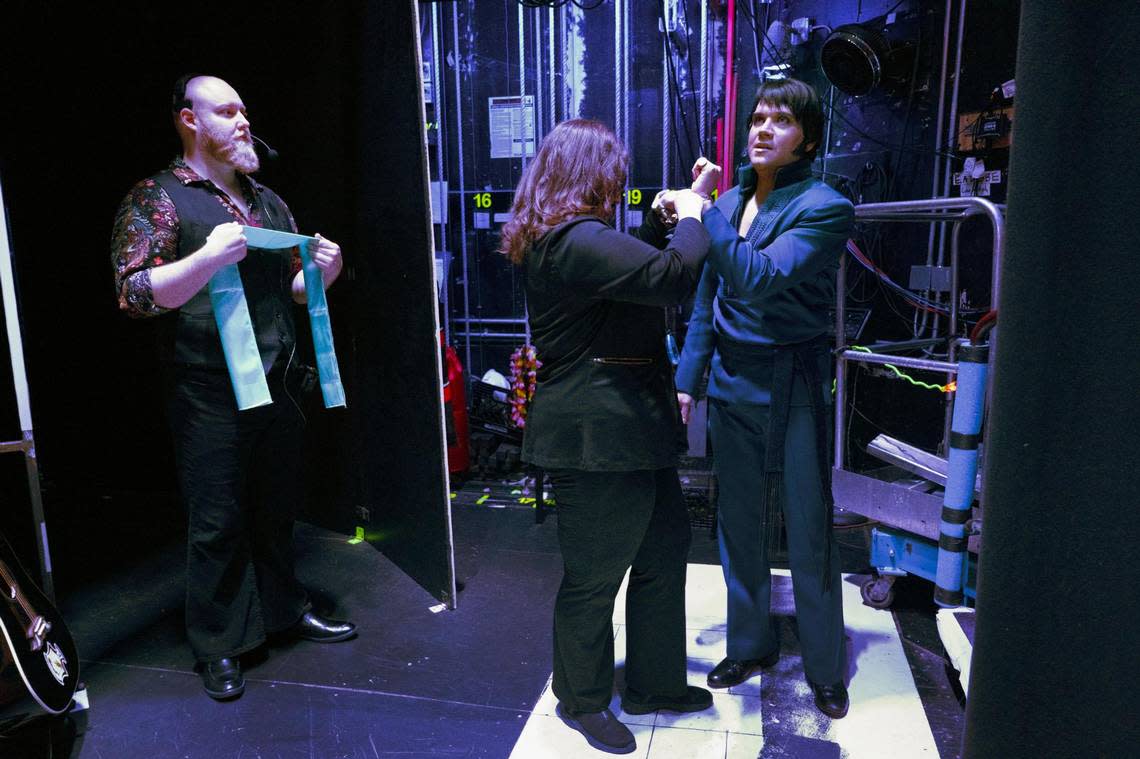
point(608, 522)
point(239, 472)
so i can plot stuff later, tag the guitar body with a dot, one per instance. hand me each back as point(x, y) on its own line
point(39, 667)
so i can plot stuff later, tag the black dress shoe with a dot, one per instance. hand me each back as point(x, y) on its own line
point(316, 628)
point(222, 679)
point(831, 699)
point(694, 700)
point(732, 672)
point(602, 730)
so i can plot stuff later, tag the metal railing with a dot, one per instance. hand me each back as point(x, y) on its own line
point(900, 505)
point(953, 211)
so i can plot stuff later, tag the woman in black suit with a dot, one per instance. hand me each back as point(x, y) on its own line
point(604, 420)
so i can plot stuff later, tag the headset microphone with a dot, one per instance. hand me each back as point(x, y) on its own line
point(270, 153)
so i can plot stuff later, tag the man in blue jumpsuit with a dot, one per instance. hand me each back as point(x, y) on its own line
point(760, 324)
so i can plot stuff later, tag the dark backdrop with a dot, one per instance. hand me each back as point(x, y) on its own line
point(86, 103)
point(1057, 601)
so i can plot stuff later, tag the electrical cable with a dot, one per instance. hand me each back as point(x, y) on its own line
point(918, 300)
point(983, 327)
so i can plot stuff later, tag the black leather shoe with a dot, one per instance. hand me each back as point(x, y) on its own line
point(732, 672)
point(222, 679)
point(831, 699)
point(316, 628)
point(602, 730)
point(694, 700)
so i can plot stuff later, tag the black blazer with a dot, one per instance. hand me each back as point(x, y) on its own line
point(605, 399)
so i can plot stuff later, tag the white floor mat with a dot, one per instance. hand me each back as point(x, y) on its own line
point(772, 714)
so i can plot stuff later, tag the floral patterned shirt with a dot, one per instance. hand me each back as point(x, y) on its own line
point(146, 234)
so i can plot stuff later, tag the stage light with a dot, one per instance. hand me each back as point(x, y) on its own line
point(860, 58)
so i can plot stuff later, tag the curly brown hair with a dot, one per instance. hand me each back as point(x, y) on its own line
point(580, 169)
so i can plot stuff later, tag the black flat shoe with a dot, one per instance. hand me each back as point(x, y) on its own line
point(602, 730)
point(732, 672)
point(695, 700)
point(222, 679)
point(316, 628)
point(831, 699)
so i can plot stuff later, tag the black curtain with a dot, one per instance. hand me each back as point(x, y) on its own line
point(1055, 652)
point(86, 95)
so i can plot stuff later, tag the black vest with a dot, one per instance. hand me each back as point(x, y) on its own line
point(189, 335)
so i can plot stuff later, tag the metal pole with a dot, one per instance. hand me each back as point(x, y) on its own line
point(952, 126)
point(925, 364)
point(483, 320)
point(552, 115)
point(442, 197)
point(666, 113)
point(617, 69)
point(951, 139)
point(938, 229)
point(522, 93)
point(627, 57)
point(522, 85)
point(462, 183)
point(567, 94)
point(538, 83)
point(488, 335)
point(619, 99)
point(955, 236)
point(702, 92)
point(840, 363)
point(23, 404)
point(952, 351)
point(937, 169)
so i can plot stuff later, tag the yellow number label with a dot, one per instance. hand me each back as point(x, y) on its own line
point(713, 194)
point(482, 200)
point(633, 197)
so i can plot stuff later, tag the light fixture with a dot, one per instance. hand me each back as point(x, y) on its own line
point(859, 58)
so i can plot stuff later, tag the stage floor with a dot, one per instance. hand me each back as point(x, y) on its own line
point(771, 715)
point(469, 682)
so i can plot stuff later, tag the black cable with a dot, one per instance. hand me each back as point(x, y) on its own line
point(678, 94)
point(693, 152)
point(689, 66)
point(748, 11)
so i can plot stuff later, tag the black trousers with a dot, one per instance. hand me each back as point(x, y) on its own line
point(609, 522)
point(239, 473)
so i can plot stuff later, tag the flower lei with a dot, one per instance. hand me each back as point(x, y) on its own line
point(524, 370)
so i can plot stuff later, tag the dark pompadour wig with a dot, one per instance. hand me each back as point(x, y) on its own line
point(803, 101)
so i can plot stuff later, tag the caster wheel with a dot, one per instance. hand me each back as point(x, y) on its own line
point(878, 592)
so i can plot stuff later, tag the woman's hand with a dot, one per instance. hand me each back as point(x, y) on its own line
point(664, 208)
point(688, 204)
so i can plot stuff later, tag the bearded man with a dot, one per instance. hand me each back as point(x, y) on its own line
point(238, 470)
